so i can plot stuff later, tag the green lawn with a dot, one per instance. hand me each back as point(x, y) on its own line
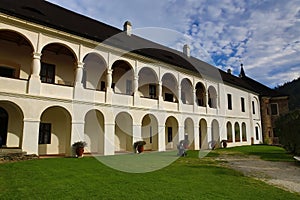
point(87, 178)
point(265, 152)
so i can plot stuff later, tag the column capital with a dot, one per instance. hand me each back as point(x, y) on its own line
point(37, 55)
point(79, 64)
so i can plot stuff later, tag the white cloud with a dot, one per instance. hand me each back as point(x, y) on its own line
point(264, 34)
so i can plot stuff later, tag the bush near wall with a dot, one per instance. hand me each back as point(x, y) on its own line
point(288, 130)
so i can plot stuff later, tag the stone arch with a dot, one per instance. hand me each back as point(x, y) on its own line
point(187, 96)
point(215, 133)
point(229, 132)
point(15, 45)
point(94, 131)
point(189, 132)
point(55, 131)
point(169, 88)
point(122, 77)
point(11, 124)
point(200, 94)
point(150, 132)
point(148, 83)
point(95, 71)
point(123, 132)
point(171, 133)
point(212, 97)
point(257, 132)
point(203, 144)
point(237, 132)
point(58, 63)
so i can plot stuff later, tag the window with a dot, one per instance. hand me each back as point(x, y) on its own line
point(45, 133)
point(113, 86)
point(244, 132)
point(253, 107)
point(169, 97)
point(128, 87)
point(229, 101)
point(274, 108)
point(7, 72)
point(183, 99)
point(257, 133)
point(47, 73)
point(170, 136)
point(102, 86)
point(150, 135)
point(237, 132)
point(243, 104)
point(152, 91)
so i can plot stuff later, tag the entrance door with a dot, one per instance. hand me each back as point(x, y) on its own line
point(3, 126)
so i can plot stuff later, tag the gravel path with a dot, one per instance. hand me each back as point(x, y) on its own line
point(285, 175)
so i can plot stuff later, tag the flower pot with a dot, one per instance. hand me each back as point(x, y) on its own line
point(79, 151)
point(140, 149)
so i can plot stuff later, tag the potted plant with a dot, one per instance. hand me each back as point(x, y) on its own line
point(78, 148)
point(138, 146)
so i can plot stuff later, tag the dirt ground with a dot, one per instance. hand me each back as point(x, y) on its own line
point(285, 175)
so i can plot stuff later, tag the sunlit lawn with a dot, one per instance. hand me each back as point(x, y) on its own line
point(87, 178)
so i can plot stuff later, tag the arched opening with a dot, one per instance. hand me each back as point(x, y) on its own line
point(122, 77)
point(187, 92)
point(150, 132)
point(212, 97)
point(123, 132)
point(200, 95)
point(94, 131)
point(55, 131)
point(16, 55)
point(148, 83)
point(215, 134)
point(257, 132)
point(58, 64)
point(11, 124)
point(189, 132)
point(171, 133)
point(229, 132)
point(203, 144)
point(237, 132)
point(169, 88)
point(95, 70)
point(244, 133)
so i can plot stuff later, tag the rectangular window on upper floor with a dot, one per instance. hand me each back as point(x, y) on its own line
point(47, 73)
point(152, 91)
point(243, 104)
point(253, 107)
point(128, 87)
point(7, 72)
point(274, 108)
point(169, 97)
point(229, 101)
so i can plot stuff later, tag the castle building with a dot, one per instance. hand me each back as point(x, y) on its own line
point(65, 77)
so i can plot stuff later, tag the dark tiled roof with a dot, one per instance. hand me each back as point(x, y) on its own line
point(50, 15)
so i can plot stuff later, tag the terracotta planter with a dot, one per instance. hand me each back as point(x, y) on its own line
point(79, 152)
point(140, 149)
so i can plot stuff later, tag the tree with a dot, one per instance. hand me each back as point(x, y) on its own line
point(288, 130)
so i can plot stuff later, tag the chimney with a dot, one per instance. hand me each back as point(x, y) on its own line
point(229, 71)
point(186, 50)
point(127, 27)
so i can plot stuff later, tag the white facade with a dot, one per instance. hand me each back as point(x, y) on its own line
point(149, 100)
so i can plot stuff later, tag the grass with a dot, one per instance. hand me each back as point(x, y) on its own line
point(265, 152)
point(87, 178)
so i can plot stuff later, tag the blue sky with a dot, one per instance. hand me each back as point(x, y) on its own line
point(263, 34)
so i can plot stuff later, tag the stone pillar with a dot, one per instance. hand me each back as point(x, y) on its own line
point(109, 91)
point(209, 137)
point(160, 97)
point(109, 139)
point(195, 104)
point(31, 136)
point(79, 74)
point(179, 98)
point(77, 134)
point(161, 138)
point(137, 132)
point(136, 96)
point(196, 138)
point(34, 84)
